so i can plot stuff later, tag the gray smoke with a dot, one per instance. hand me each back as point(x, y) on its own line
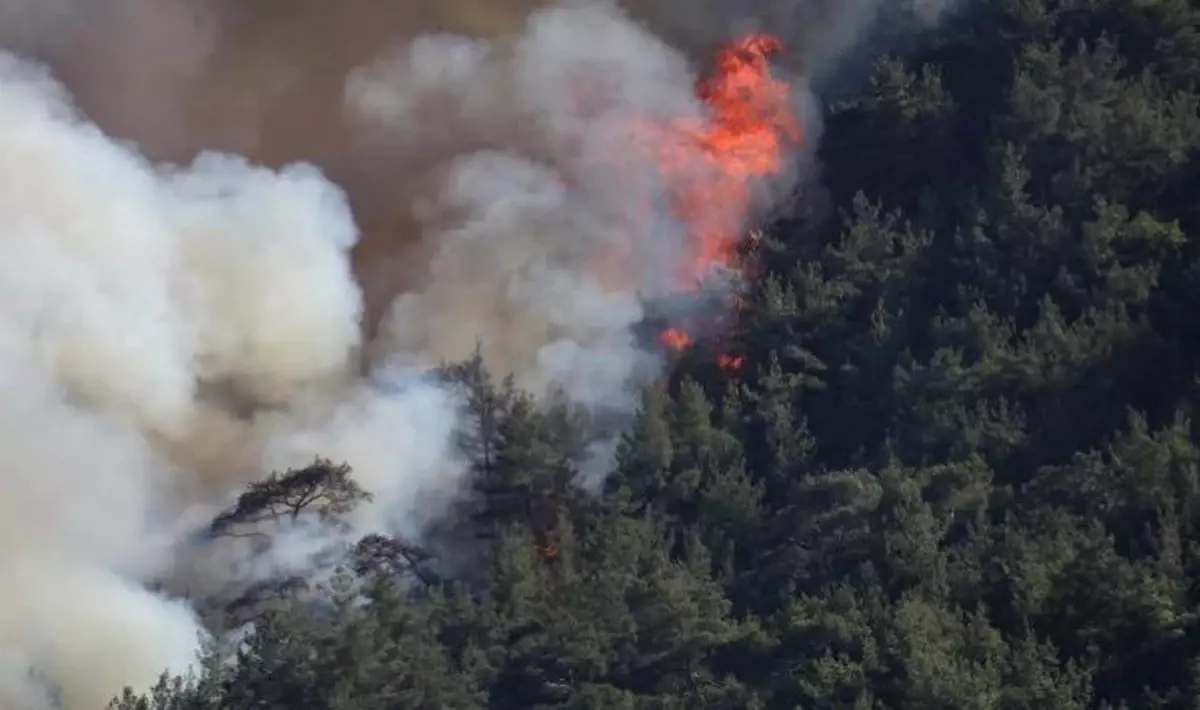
point(354, 194)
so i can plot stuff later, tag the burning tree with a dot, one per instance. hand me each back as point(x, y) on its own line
point(709, 168)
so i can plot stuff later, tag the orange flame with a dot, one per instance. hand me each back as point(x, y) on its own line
point(750, 124)
point(675, 338)
point(708, 166)
point(730, 362)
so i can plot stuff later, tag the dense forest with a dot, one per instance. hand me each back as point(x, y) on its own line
point(957, 467)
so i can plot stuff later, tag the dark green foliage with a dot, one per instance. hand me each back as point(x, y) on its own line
point(321, 492)
point(958, 468)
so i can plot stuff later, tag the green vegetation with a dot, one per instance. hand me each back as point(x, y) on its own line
point(959, 468)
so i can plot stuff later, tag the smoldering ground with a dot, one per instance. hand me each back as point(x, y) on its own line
point(222, 222)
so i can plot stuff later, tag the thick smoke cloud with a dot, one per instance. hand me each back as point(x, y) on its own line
point(135, 300)
point(510, 228)
point(233, 238)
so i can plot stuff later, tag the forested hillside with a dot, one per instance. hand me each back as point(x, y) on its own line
point(957, 467)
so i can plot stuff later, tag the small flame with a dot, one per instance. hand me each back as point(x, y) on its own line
point(730, 363)
point(675, 339)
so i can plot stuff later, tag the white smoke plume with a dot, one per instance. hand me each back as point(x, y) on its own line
point(170, 332)
point(130, 290)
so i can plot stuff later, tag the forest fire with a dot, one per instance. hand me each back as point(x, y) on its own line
point(749, 127)
point(675, 338)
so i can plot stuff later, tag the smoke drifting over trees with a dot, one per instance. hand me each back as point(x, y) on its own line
point(235, 239)
point(341, 327)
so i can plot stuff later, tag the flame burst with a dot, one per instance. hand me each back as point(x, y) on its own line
point(750, 123)
point(749, 126)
